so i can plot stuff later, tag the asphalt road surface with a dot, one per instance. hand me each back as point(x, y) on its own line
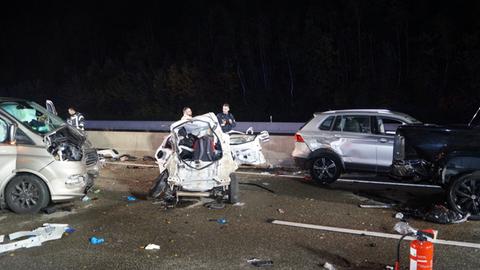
point(189, 240)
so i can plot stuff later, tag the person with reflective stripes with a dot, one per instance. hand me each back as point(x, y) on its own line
point(76, 119)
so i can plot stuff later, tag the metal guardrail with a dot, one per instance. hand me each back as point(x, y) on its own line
point(164, 126)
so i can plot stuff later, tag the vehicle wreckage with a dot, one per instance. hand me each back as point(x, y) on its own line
point(198, 160)
point(42, 158)
point(445, 155)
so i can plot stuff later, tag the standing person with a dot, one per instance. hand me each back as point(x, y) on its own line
point(187, 113)
point(226, 119)
point(76, 119)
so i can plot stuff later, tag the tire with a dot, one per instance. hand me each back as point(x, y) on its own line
point(464, 194)
point(233, 190)
point(26, 193)
point(326, 168)
point(160, 186)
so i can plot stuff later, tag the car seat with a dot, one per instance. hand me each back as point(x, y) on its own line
point(204, 149)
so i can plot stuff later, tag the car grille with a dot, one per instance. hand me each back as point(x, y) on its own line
point(91, 157)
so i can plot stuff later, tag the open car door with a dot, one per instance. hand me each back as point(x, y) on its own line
point(50, 107)
point(247, 148)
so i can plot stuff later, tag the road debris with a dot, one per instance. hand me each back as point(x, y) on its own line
point(214, 205)
point(152, 247)
point(281, 211)
point(148, 158)
point(96, 241)
point(34, 238)
point(239, 204)
point(436, 214)
point(221, 221)
point(49, 210)
point(131, 198)
point(96, 191)
point(260, 263)
point(257, 185)
point(85, 198)
point(377, 206)
point(127, 157)
point(108, 153)
point(69, 230)
point(400, 216)
point(328, 266)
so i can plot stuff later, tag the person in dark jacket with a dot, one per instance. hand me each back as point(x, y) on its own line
point(76, 119)
point(226, 119)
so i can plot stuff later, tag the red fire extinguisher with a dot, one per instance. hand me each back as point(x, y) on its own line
point(421, 248)
point(421, 254)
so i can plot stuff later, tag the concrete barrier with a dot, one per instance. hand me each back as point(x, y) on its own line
point(277, 151)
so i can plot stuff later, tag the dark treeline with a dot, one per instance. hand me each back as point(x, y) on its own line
point(146, 60)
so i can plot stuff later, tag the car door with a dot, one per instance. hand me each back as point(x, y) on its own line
point(8, 152)
point(355, 142)
point(386, 128)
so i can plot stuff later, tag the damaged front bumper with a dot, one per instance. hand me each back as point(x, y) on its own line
point(68, 180)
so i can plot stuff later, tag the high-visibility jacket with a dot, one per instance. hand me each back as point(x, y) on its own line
point(77, 120)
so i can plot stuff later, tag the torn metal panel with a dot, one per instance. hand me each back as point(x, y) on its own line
point(35, 238)
point(247, 148)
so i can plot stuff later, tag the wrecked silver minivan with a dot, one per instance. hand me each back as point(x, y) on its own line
point(42, 159)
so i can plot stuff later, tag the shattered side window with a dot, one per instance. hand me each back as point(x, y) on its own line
point(33, 116)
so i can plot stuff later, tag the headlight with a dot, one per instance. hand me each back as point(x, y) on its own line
point(75, 179)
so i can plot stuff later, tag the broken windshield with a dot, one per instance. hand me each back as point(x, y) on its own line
point(33, 116)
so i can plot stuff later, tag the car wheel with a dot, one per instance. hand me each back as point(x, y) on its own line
point(233, 190)
point(325, 169)
point(464, 194)
point(160, 186)
point(26, 193)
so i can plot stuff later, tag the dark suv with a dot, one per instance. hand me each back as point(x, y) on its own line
point(445, 155)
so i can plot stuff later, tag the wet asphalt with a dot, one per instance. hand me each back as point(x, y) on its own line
point(189, 239)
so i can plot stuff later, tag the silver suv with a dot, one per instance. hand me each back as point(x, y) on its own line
point(347, 140)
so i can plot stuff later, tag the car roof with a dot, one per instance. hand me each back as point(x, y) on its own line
point(355, 111)
point(10, 99)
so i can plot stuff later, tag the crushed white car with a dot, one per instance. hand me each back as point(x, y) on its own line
point(198, 160)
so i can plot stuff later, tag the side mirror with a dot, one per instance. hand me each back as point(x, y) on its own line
point(12, 131)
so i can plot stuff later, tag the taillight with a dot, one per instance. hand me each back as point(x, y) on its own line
point(298, 138)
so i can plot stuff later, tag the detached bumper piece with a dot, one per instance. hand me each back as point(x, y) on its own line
point(35, 238)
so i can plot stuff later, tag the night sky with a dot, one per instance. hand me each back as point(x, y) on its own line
point(145, 60)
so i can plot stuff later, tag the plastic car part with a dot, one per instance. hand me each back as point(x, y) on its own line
point(35, 238)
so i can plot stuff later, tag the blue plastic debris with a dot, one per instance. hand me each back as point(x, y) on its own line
point(96, 241)
point(69, 230)
point(131, 198)
point(220, 221)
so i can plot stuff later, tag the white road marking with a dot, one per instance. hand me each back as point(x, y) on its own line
point(343, 180)
point(370, 233)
